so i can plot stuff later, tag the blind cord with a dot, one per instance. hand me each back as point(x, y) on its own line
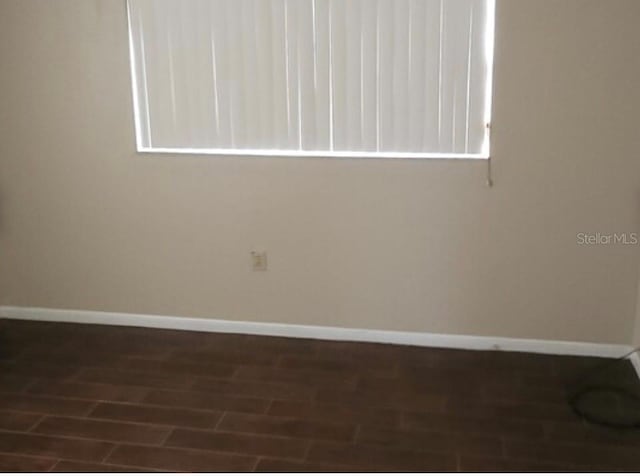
point(489, 174)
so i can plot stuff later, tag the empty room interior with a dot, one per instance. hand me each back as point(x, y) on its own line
point(319, 235)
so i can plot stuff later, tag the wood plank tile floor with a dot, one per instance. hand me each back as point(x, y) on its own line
point(97, 398)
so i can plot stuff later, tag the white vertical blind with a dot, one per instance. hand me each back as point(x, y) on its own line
point(313, 77)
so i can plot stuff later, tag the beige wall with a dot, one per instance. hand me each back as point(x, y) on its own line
point(86, 223)
point(636, 334)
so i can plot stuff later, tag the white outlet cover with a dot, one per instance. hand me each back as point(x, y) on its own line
point(259, 260)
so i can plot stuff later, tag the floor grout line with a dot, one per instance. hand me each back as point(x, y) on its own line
point(307, 451)
point(91, 409)
point(156, 425)
point(109, 453)
point(113, 465)
point(268, 407)
point(56, 463)
point(215, 428)
point(255, 466)
point(171, 431)
point(36, 424)
point(356, 433)
point(119, 443)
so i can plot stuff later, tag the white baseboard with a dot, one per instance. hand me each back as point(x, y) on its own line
point(320, 332)
point(635, 361)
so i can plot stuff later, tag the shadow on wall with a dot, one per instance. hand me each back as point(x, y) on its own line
point(4, 354)
point(2, 212)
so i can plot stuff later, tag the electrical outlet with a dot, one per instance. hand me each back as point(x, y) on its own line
point(259, 260)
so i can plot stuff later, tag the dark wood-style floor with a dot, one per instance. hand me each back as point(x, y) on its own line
point(97, 398)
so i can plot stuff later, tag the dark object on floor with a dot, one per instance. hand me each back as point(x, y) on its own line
point(601, 401)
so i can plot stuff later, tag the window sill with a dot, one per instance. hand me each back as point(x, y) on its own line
point(312, 154)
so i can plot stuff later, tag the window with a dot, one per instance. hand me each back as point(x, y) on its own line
point(363, 78)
